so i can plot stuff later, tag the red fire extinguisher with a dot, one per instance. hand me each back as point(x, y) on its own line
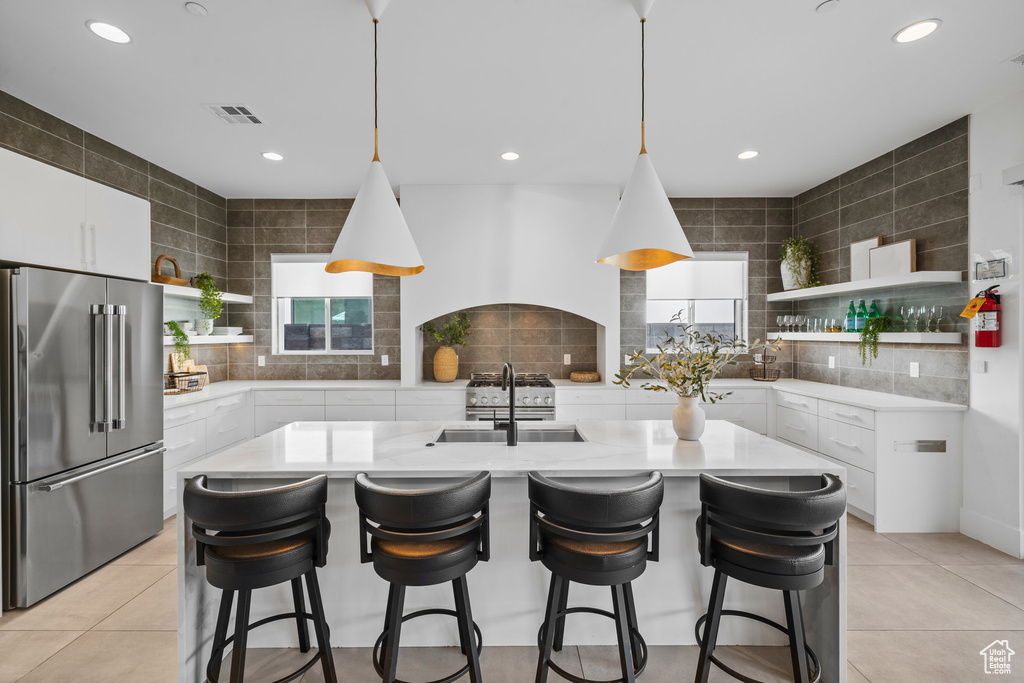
point(986, 322)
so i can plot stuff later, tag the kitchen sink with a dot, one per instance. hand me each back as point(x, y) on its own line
point(557, 435)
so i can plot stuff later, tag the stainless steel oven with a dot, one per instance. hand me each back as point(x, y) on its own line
point(535, 398)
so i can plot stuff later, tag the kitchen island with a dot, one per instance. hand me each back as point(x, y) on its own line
point(509, 592)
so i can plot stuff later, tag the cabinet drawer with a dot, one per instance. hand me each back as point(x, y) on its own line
point(443, 413)
point(289, 398)
point(848, 443)
point(226, 404)
point(860, 486)
point(224, 430)
point(572, 413)
point(800, 428)
point(184, 443)
point(359, 398)
point(171, 486)
point(200, 410)
point(183, 415)
point(437, 397)
point(840, 412)
point(803, 404)
point(576, 397)
point(743, 395)
point(747, 415)
point(269, 418)
point(360, 413)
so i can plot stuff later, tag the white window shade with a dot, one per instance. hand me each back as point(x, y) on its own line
point(298, 277)
point(698, 279)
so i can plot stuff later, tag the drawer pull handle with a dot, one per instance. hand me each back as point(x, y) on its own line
point(183, 415)
point(848, 416)
point(851, 486)
point(179, 447)
point(228, 404)
point(228, 429)
point(799, 429)
point(844, 443)
point(796, 403)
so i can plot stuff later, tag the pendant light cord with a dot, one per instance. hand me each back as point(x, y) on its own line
point(643, 84)
point(376, 157)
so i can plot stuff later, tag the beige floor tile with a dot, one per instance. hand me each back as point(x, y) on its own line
point(928, 656)
point(853, 675)
point(1003, 580)
point(952, 549)
point(674, 664)
point(86, 603)
point(22, 651)
point(155, 609)
point(105, 656)
point(162, 549)
point(864, 546)
point(923, 598)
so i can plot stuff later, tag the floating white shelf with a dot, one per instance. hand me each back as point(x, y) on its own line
point(193, 293)
point(885, 337)
point(214, 339)
point(924, 277)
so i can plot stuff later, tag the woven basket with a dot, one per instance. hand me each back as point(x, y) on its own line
point(584, 377)
point(446, 364)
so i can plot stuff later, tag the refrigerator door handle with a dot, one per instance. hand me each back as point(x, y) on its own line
point(122, 314)
point(55, 484)
point(104, 402)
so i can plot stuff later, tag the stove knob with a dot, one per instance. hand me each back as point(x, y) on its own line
point(536, 400)
point(526, 399)
point(547, 400)
point(472, 400)
point(483, 400)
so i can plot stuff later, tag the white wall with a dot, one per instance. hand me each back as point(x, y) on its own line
point(993, 502)
point(517, 244)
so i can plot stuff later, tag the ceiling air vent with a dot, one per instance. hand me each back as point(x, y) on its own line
point(234, 113)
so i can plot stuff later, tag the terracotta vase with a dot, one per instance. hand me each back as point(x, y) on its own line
point(446, 364)
point(688, 419)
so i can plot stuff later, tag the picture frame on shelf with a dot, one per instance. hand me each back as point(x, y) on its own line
point(893, 259)
point(860, 258)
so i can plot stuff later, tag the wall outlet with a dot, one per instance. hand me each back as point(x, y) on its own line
point(567, 359)
point(261, 361)
point(832, 362)
point(384, 359)
point(627, 361)
point(979, 366)
point(915, 369)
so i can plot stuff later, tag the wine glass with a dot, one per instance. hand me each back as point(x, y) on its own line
point(779, 319)
point(799, 322)
point(938, 318)
point(903, 318)
point(926, 318)
point(789, 323)
point(912, 319)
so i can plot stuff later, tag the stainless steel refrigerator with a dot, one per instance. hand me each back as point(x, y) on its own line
point(82, 421)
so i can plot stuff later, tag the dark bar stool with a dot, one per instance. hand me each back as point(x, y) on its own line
point(255, 539)
point(780, 540)
point(423, 538)
point(595, 537)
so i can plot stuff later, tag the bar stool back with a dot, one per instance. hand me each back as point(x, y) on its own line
point(255, 539)
point(780, 540)
point(597, 537)
point(423, 538)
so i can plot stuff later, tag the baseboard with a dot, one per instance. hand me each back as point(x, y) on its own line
point(999, 535)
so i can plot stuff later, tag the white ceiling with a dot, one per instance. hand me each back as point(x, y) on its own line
point(555, 80)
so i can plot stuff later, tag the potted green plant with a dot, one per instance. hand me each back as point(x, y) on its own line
point(799, 264)
point(685, 365)
point(182, 349)
point(868, 343)
point(209, 303)
point(454, 333)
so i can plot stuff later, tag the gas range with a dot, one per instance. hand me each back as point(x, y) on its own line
point(535, 397)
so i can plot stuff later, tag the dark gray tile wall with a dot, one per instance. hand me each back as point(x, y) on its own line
point(187, 221)
point(534, 338)
point(258, 228)
point(917, 191)
point(756, 225)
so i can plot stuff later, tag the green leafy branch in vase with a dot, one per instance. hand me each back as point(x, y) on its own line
point(453, 333)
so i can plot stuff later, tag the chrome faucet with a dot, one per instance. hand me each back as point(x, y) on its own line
point(508, 383)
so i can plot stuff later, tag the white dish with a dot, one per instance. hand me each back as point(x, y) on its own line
point(227, 331)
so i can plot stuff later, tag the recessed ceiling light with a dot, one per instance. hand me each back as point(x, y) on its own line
point(749, 154)
point(510, 156)
point(827, 6)
point(196, 9)
point(917, 31)
point(273, 156)
point(108, 32)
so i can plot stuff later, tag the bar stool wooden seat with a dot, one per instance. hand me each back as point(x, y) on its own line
point(254, 539)
point(597, 537)
point(780, 540)
point(423, 538)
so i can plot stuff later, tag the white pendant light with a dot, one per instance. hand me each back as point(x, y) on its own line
point(645, 231)
point(375, 237)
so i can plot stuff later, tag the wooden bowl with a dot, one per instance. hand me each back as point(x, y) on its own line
point(584, 377)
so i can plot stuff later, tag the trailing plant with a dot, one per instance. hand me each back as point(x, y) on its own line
point(182, 349)
point(453, 333)
point(799, 250)
point(210, 302)
point(869, 336)
point(685, 363)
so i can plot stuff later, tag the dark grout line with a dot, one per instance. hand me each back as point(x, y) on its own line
point(849, 663)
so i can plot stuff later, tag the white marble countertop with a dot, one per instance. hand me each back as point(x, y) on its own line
point(612, 448)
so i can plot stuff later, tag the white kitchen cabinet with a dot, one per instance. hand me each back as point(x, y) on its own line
point(746, 408)
point(350, 413)
point(430, 404)
point(571, 413)
point(53, 218)
point(228, 429)
point(289, 398)
point(184, 443)
point(797, 427)
point(444, 413)
point(355, 397)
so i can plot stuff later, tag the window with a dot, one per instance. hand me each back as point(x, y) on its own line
point(710, 291)
point(319, 312)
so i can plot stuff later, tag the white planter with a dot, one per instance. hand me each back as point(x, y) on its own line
point(204, 326)
point(688, 418)
point(795, 278)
